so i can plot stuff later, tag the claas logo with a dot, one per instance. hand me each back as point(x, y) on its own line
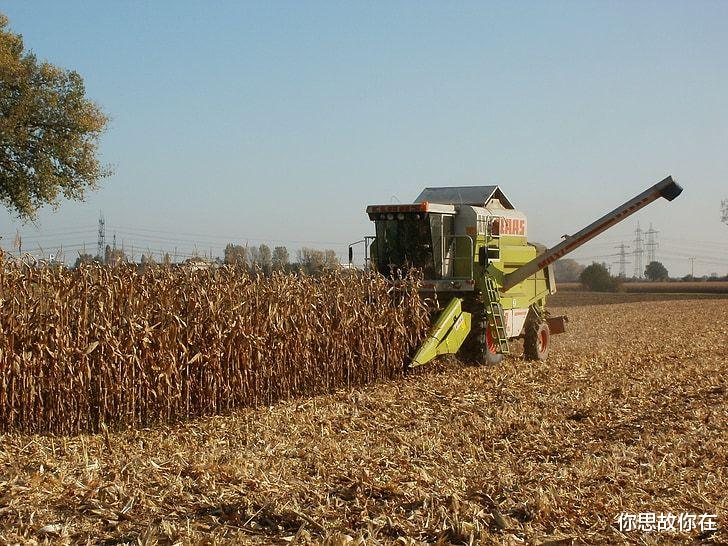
point(511, 226)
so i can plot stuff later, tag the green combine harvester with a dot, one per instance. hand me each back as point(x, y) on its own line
point(472, 247)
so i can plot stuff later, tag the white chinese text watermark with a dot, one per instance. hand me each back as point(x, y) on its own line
point(651, 522)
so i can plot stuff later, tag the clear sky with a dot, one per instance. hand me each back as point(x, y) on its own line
point(280, 121)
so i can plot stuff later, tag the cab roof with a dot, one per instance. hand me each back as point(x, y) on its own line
point(477, 196)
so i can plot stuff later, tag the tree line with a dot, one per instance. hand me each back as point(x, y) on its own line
point(310, 261)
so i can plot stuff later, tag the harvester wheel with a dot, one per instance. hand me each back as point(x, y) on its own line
point(538, 340)
point(491, 356)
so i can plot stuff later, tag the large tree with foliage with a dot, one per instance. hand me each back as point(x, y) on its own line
point(655, 271)
point(597, 278)
point(49, 131)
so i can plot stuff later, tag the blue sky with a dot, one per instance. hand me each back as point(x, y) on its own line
point(280, 121)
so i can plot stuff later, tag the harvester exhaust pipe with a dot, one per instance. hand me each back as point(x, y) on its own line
point(667, 188)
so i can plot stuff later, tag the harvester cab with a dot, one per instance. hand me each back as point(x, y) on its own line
point(472, 247)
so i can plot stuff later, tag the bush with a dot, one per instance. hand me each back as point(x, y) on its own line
point(596, 277)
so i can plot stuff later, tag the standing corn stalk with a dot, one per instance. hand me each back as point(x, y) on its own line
point(116, 346)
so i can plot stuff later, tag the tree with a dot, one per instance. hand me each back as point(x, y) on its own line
point(49, 131)
point(114, 257)
point(266, 259)
point(597, 278)
point(236, 255)
point(148, 260)
point(254, 255)
point(280, 258)
point(83, 258)
point(567, 270)
point(655, 271)
point(331, 260)
point(312, 261)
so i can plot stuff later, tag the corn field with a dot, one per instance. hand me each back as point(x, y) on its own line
point(97, 346)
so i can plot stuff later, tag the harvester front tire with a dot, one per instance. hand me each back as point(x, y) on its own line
point(537, 341)
point(491, 356)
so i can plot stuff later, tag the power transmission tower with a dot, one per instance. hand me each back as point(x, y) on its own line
point(651, 243)
point(638, 253)
point(724, 211)
point(622, 259)
point(101, 243)
point(18, 242)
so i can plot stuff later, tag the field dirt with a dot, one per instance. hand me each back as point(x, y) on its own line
point(672, 287)
point(629, 414)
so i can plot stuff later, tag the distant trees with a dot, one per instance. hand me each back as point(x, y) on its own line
point(49, 131)
point(236, 255)
point(567, 270)
point(313, 262)
point(655, 271)
point(148, 260)
point(309, 260)
point(83, 258)
point(597, 278)
point(266, 259)
point(280, 258)
point(113, 256)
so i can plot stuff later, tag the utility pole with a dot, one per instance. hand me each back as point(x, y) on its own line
point(639, 269)
point(692, 267)
point(101, 243)
point(651, 243)
point(622, 259)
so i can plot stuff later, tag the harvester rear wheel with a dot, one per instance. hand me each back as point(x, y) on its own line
point(537, 340)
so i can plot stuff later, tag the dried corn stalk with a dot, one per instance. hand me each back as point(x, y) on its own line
point(120, 347)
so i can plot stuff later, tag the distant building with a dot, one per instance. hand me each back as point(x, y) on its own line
point(197, 264)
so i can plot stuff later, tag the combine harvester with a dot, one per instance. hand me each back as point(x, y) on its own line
point(472, 247)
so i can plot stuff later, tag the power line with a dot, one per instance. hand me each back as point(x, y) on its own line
point(226, 238)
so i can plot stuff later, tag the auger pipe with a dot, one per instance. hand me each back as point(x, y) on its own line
point(667, 188)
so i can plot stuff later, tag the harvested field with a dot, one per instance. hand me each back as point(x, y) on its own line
point(630, 414)
point(572, 298)
point(675, 287)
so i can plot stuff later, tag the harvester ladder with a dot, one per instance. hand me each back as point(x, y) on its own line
point(495, 314)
